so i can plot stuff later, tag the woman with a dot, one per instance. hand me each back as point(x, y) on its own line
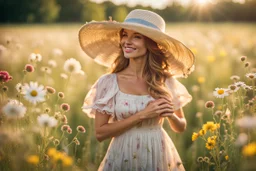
point(130, 103)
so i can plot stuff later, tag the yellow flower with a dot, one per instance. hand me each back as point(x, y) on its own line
point(201, 80)
point(51, 152)
point(67, 161)
point(223, 53)
point(58, 156)
point(210, 59)
point(202, 132)
point(195, 136)
point(33, 159)
point(209, 126)
point(249, 150)
point(210, 145)
point(212, 138)
point(226, 157)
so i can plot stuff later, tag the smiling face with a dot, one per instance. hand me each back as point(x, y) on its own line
point(133, 44)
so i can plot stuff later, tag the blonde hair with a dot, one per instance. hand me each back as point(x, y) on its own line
point(154, 71)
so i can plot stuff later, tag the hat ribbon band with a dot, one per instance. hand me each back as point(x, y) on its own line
point(140, 21)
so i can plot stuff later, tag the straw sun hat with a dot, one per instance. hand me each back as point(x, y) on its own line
point(100, 40)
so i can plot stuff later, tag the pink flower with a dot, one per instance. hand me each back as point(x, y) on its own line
point(65, 107)
point(29, 68)
point(4, 76)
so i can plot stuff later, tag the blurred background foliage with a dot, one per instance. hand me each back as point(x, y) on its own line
point(49, 11)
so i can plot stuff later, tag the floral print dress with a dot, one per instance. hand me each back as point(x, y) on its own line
point(146, 147)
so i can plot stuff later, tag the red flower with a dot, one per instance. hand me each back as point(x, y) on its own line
point(4, 76)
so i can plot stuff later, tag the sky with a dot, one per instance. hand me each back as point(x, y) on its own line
point(160, 4)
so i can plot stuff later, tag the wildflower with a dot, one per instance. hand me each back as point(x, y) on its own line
point(195, 88)
point(209, 126)
point(249, 150)
point(5, 88)
point(33, 159)
point(69, 130)
point(61, 95)
point(52, 63)
point(248, 122)
point(226, 157)
point(206, 159)
point(29, 68)
point(57, 52)
point(64, 76)
point(212, 138)
point(246, 64)
point(47, 110)
point(240, 84)
point(246, 87)
point(243, 58)
point(241, 139)
point(35, 57)
point(34, 93)
point(14, 109)
point(210, 145)
point(4, 76)
point(65, 128)
point(200, 159)
point(67, 161)
point(218, 113)
point(72, 66)
point(45, 120)
point(202, 132)
point(211, 59)
point(251, 75)
point(50, 90)
point(64, 119)
point(77, 142)
point(56, 142)
point(19, 87)
point(65, 107)
point(209, 104)
point(195, 136)
point(51, 152)
point(80, 129)
point(220, 92)
point(46, 70)
point(235, 78)
point(201, 80)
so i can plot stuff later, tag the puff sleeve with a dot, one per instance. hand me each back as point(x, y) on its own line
point(101, 96)
point(179, 93)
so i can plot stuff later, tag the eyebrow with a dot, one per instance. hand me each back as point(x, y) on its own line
point(133, 33)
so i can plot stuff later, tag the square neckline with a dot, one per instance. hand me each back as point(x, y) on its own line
point(137, 95)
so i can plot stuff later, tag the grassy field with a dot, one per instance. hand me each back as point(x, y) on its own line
point(223, 129)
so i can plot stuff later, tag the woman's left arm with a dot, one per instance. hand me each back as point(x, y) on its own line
point(177, 121)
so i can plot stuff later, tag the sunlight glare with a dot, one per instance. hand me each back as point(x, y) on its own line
point(203, 2)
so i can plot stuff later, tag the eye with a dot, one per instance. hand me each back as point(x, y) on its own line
point(138, 36)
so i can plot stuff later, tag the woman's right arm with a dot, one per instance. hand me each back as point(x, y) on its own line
point(106, 130)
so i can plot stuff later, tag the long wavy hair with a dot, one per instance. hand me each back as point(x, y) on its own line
point(155, 70)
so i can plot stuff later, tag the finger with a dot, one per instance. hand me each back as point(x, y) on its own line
point(167, 115)
point(163, 101)
point(165, 106)
point(165, 111)
point(166, 98)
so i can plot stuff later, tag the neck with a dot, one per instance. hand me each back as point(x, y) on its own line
point(136, 66)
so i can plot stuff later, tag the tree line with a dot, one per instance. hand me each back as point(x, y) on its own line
point(49, 11)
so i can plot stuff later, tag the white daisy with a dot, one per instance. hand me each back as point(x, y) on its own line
point(44, 120)
point(35, 57)
point(19, 87)
point(57, 52)
point(34, 93)
point(14, 109)
point(235, 77)
point(240, 84)
point(233, 88)
point(251, 75)
point(52, 63)
point(72, 66)
point(242, 139)
point(46, 70)
point(246, 87)
point(220, 92)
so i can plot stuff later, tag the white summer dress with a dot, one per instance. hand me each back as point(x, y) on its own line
point(146, 147)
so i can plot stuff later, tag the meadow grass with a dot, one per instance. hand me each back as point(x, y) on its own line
point(218, 48)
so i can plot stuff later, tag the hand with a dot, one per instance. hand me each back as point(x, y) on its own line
point(160, 107)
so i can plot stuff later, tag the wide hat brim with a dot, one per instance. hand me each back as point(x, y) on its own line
point(100, 41)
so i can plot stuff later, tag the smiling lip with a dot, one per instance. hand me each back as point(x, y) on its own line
point(129, 49)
